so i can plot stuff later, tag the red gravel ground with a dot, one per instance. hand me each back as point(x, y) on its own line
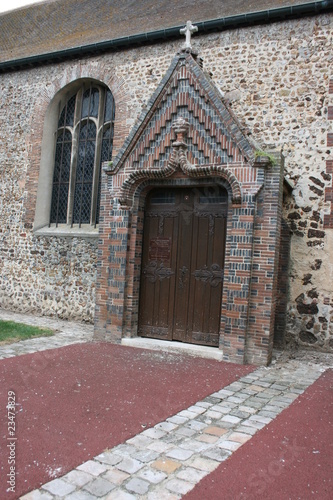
point(290, 459)
point(74, 402)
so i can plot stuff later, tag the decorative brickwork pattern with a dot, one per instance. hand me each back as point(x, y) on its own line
point(213, 128)
point(188, 137)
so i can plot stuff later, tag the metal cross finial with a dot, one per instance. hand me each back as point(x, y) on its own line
point(187, 31)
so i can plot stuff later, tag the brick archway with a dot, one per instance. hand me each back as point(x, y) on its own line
point(187, 136)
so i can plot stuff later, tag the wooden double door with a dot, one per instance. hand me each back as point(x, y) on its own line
point(182, 265)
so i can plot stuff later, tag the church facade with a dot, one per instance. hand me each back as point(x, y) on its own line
point(171, 188)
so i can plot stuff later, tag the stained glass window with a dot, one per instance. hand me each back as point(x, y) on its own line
point(84, 141)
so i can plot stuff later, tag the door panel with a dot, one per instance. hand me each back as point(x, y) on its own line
point(182, 265)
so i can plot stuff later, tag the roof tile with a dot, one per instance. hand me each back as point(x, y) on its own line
point(56, 25)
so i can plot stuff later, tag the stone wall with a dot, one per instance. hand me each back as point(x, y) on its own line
point(276, 80)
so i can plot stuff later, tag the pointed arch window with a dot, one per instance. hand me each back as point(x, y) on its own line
point(83, 141)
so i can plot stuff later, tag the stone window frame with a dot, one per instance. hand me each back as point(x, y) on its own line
point(42, 225)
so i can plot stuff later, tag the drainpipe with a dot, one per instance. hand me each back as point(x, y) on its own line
point(250, 18)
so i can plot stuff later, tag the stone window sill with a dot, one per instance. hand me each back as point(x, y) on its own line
point(64, 231)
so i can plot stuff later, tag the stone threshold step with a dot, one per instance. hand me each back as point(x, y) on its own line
point(176, 347)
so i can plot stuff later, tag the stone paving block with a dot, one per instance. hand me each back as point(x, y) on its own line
point(109, 458)
point(196, 409)
point(120, 495)
point(280, 386)
point(296, 391)
point(207, 438)
point(236, 386)
point(229, 445)
point(125, 449)
point(185, 431)
point(292, 396)
point(140, 441)
point(248, 380)
point(227, 425)
point(240, 414)
point(256, 388)
point(191, 474)
point(179, 454)
point(160, 446)
point(92, 467)
point(215, 431)
point(163, 495)
point(176, 419)
point(172, 439)
point(255, 403)
point(268, 414)
point(59, 487)
point(271, 392)
point(230, 419)
point(195, 425)
point(272, 408)
point(249, 392)
point(247, 430)
point(166, 426)
point(154, 433)
point(137, 485)
point(263, 383)
point(239, 437)
point(187, 414)
point(78, 478)
point(116, 476)
point(179, 486)
point(80, 495)
point(228, 404)
point(251, 423)
point(130, 465)
point(99, 487)
point(236, 399)
point(166, 465)
point(247, 409)
point(204, 419)
point(152, 475)
point(280, 404)
point(37, 495)
point(145, 455)
point(203, 463)
point(262, 398)
point(223, 393)
point(217, 454)
point(259, 418)
point(213, 414)
point(213, 399)
point(204, 404)
point(194, 445)
point(221, 409)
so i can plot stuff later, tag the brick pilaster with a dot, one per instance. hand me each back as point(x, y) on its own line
point(266, 242)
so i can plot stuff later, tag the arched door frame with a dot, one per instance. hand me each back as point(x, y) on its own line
point(135, 240)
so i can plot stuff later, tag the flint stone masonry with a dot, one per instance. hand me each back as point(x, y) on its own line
point(274, 77)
